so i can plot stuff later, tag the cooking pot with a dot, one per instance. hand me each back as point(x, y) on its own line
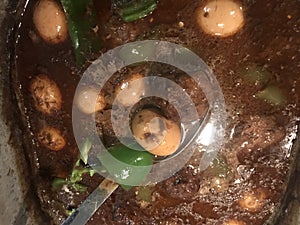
point(19, 202)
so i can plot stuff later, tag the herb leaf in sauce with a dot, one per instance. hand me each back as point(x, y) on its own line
point(75, 178)
point(81, 20)
point(58, 182)
point(138, 165)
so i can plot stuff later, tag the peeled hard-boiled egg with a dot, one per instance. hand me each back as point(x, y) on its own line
point(221, 17)
point(51, 138)
point(50, 21)
point(90, 100)
point(131, 93)
point(155, 133)
point(46, 94)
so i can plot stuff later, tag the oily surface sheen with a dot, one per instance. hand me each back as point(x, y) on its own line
point(247, 181)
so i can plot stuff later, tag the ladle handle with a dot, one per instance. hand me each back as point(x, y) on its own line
point(87, 209)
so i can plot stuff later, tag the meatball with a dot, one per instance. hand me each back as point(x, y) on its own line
point(221, 17)
point(46, 94)
point(50, 21)
point(51, 138)
point(155, 133)
point(89, 100)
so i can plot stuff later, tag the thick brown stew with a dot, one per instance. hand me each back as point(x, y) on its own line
point(257, 67)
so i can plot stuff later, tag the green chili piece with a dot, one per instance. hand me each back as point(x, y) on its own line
point(134, 10)
point(133, 168)
point(272, 94)
point(255, 74)
point(81, 20)
point(145, 193)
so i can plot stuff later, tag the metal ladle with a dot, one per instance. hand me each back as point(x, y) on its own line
point(206, 133)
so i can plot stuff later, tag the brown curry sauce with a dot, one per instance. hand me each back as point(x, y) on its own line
point(270, 38)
